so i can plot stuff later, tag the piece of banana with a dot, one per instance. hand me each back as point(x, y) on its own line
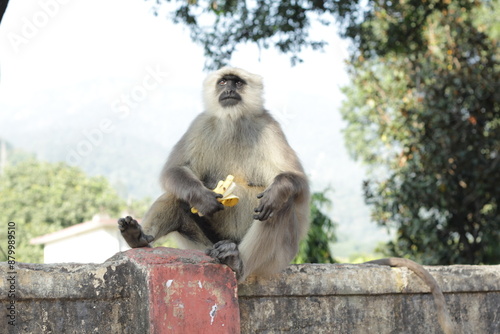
point(225, 188)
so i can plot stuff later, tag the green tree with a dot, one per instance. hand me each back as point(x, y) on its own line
point(43, 197)
point(220, 26)
point(315, 247)
point(424, 112)
point(423, 108)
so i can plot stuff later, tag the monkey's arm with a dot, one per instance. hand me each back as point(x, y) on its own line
point(290, 183)
point(178, 179)
point(182, 182)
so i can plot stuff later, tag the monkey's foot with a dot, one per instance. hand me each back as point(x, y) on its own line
point(132, 233)
point(227, 253)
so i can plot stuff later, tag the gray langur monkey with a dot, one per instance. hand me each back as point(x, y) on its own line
point(260, 235)
point(234, 135)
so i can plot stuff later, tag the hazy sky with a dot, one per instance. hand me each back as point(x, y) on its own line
point(50, 45)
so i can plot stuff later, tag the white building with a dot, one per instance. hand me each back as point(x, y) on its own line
point(93, 241)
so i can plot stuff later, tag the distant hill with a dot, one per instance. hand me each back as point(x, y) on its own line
point(129, 149)
point(85, 125)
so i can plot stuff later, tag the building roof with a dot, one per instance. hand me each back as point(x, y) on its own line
point(98, 221)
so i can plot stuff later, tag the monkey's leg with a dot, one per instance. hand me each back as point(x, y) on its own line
point(267, 248)
point(164, 216)
point(227, 252)
point(132, 233)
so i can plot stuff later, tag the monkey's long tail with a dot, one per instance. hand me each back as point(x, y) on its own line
point(444, 318)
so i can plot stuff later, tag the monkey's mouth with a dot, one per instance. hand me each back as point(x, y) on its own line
point(230, 98)
point(227, 100)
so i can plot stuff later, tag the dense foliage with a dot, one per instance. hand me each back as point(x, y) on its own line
point(41, 197)
point(219, 26)
point(315, 247)
point(423, 108)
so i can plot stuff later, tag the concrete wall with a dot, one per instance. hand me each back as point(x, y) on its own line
point(148, 290)
point(345, 298)
point(165, 290)
point(72, 298)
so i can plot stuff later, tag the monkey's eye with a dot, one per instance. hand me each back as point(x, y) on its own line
point(239, 84)
point(222, 82)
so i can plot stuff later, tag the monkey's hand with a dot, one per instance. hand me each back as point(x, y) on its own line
point(269, 204)
point(206, 202)
point(275, 197)
point(132, 233)
point(225, 189)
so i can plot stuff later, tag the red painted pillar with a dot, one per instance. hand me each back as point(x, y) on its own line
point(187, 292)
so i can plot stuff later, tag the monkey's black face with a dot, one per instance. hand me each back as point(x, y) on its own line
point(229, 89)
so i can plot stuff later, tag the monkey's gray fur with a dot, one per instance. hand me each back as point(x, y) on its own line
point(234, 135)
point(260, 235)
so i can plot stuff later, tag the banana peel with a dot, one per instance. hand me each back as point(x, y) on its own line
point(225, 188)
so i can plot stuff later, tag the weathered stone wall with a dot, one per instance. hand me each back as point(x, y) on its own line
point(141, 291)
point(164, 290)
point(74, 298)
point(343, 298)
